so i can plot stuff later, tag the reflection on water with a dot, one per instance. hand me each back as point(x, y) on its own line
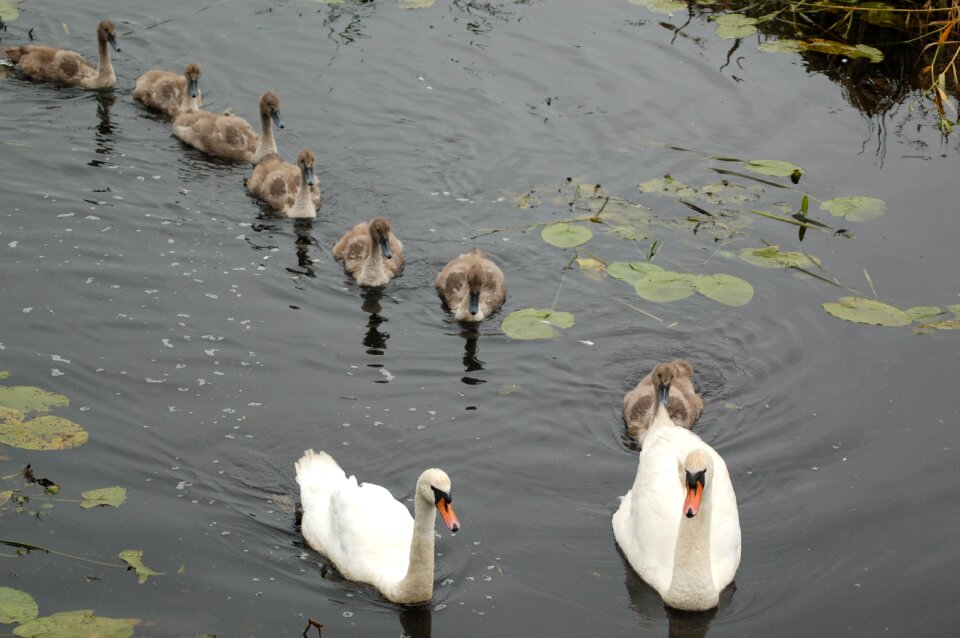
point(303, 228)
point(645, 600)
point(374, 340)
point(416, 622)
point(471, 363)
point(105, 129)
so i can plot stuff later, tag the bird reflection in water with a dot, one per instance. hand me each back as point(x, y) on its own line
point(645, 600)
point(416, 622)
point(470, 361)
point(105, 129)
point(303, 229)
point(374, 340)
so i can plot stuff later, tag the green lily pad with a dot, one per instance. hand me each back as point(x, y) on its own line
point(535, 323)
point(16, 606)
point(870, 311)
point(726, 289)
point(664, 286)
point(8, 10)
point(772, 257)
point(949, 324)
point(564, 235)
point(855, 209)
point(954, 308)
point(5, 496)
point(669, 186)
point(134, 558)
point(776, 168)
point(27, 398)
point(823, 46)
point(82, 623)
point(41, 433)
point(415, 4)
point(919, 313)
point(112, 496)
point(631, 272)
point(4, 375)
point(661, 6)
point(734, 25)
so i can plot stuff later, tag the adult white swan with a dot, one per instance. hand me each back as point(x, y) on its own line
point(679, 525)
point(369, 535)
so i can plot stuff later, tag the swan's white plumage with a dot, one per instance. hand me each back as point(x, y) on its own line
point(647, 524)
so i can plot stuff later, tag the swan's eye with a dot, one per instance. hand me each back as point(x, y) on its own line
point(439, 495)
point(696, 477)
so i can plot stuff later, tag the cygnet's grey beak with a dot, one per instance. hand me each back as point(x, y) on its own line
point(194, 87)
point(308, 173)
point(474, 302)
point(112, 39)
point(665, 394)
point(276, 118)
point(385, 247)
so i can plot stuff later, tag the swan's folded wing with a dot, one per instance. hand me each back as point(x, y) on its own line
point(724, 527)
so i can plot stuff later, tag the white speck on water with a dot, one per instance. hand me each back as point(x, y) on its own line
point(55, 373)
point(211, 352)
point(166, 342)
point(439, 607)
point(346, 425)
point(13, 244)
point(93, 218)
point(348, 614)
point(814, 468)
point(586, 342)
point(386, 373)
point(59, 359)
point(183, 485)
point(149, 380)
point(27, 310)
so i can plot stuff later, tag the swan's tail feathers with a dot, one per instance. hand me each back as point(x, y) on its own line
point(318, 475)
point(14, 53)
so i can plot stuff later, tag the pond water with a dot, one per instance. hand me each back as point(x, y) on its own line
point(204, 345)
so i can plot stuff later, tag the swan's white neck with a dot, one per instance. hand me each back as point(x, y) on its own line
point(105, 76)
point(303, 207)
point(267, 144)
point(417, 585)
point(692, 587)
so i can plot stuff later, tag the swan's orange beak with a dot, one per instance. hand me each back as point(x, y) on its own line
point(691, 505)
point(448, 515)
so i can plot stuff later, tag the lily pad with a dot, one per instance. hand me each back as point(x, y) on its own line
point(727, 289)
point(415, 4)
point(823, 46)
point(134, 558)
point(954, 308)
point(669, 186)
point(112, 496)
point(855, 209)
point(919, 313)
point(592, 268)
point(564, 235)
point(5, 496)
point(870, 311)
point(734, 25)
point(8, 10)
point(664, 286)
point(949, 324)
point(27, 398)
point(535, 323)
point(16, 606)
point(82, 623)
point(661, 6)
point(631, 272)
point(4, 375)
point(776, 168)
point(772, 257)
point(42, 433)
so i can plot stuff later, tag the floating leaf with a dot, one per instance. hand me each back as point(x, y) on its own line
point(4, 375)
point(564, 235)
point(8, 10)
point(726, 289)
point(631, 272)
point(855, 209)
point(949, 324)
point(77, 624)
point(415, 4)
point(592, 268)
point(919, 313)
point(41, 433)
point(862, 310)
point(734, 25)
point(823, 46)
point(664, 285)
point(112, 496)
point(27, 398)
point(772, 257)
point(16, 606)
point(669, 186)
point(534, 323)
point(777, 168)
point(134, 558)
point(5, 496)
point(661, 6)
point(954, 308)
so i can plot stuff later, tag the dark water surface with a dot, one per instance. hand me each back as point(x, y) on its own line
point(207, 345)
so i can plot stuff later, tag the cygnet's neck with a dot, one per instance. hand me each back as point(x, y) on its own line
point(190, 104)
point(417, 585)
point(266, 144)
point(105, 76)
point(303, 207)
point(692, 587)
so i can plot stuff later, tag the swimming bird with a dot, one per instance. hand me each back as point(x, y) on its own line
point(231, 137)
point(289, 189)
point(370, 252)
point(170, 93)
point(679, 526)
point(471, 286)
point(370, 536)
point(47, 64)
point(684, 406)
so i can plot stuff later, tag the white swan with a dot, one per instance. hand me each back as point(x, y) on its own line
point(679, 526)
point(369, 535)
